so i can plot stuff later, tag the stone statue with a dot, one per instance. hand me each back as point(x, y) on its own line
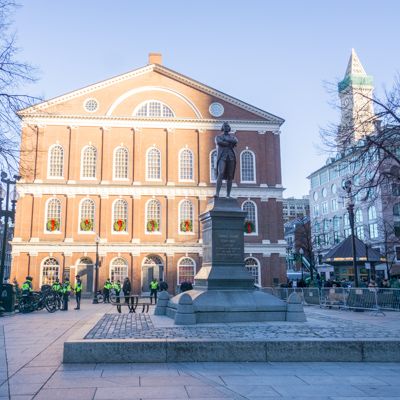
point(226, 159)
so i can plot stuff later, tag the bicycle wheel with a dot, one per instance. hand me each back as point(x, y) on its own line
point(100, 298)
point(25, 305)
point(51, 303)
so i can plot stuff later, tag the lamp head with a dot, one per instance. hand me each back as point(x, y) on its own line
point(4, 175)
point(14, 195)
point(2, 193)
point(347, 186)
point(97, 240)
point(301, 251)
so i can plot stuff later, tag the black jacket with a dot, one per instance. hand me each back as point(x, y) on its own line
point(126, 288)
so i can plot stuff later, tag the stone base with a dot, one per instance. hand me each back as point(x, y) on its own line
point(213, 306)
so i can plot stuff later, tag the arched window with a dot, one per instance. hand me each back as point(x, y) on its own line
point(88, 213)
point(253, 266)
point(247, 166)
point(53, 215)
point(251, 217)
point(186, 270)
point(186, 161)
point(121, 163)
point(186, 220)
point(213, 166)
point(89, 162)
point(336, 222)
point(153, 109)
point(50, 271)
point(396, 209)
point(153, 168)
point(346, 219)
point(372, 213)
point(56, 162)
point(118, 269)
point(359, 217)
point(120, 217)
point(153, 216)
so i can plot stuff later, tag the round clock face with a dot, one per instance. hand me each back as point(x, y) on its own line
point(216, 109)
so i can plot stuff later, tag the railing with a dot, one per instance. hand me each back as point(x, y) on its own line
point(373, 299)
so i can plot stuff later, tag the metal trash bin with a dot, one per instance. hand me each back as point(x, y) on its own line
point(45, 288)
point(9, 298)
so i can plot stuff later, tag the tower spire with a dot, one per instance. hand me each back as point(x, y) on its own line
point(354, 67)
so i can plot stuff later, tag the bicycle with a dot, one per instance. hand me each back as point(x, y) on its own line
point(100, 297)
point(36, 301)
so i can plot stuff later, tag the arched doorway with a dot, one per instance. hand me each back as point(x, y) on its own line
point(85, 270)
point(152, 267)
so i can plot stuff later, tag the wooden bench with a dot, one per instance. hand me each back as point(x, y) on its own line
point(134, 301)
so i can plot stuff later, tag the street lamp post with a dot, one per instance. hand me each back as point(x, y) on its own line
point(350, 209)
point(301, 251)
point(96, 282)
point(5, 195)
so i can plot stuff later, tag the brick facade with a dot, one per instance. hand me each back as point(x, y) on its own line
point(65, 123)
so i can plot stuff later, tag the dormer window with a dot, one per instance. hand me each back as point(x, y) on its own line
point(153, 109)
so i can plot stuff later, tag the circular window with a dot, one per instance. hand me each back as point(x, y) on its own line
point(333, 189)
point(315, 196)
point(216, 109)
point(91, 105)
point(324, 192)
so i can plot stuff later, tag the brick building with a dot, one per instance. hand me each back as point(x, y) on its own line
point(132, 159)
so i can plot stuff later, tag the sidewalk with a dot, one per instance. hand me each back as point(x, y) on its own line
point(31, 351)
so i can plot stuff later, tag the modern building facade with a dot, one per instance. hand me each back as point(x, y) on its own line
point(330, 223)
point(295, 208)
point(132, 159)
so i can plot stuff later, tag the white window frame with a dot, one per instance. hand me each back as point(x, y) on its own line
point(325, 203)
point(316, 210)
point(334, 201)
point(113, 232)
point(114, 164)
point(369, 216)
point(145, 219)
point(179, 165)
point(255, 233)
point(42, 265)
point(147, 165)
point(259, 269)
point(375, 225)
point(179, 218)
point(46, 217)
point(254, 166)
point(194, 268)
point(147, 109)
point(111, 265)
point(97, 160)
point(48, 162)
point(80, 231)
point(216, 170)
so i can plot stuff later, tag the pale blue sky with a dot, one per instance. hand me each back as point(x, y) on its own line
point(274, 55)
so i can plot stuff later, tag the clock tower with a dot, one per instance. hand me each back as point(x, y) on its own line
point(355, 92)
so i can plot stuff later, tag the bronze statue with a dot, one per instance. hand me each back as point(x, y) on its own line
point(226, 159)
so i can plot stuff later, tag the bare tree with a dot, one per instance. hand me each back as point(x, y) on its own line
point(14, 76)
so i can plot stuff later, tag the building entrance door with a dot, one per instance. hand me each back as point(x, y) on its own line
point(85, 270)
point(152, 267)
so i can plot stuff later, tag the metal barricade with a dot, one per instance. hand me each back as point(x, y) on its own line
point(332, 297)
point(361, 298)
point(308, 296)
point(388, 299)
point(311, 296)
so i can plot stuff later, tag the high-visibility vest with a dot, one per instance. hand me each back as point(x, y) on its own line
point(117, 287)
point(154, 285)
point(57, 286)
point(67, 287)
point(27, 286)
point(107, 285)
point(78, 286)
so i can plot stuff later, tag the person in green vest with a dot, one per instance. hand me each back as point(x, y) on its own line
point(27, 287)
point(107, 287)
point(66, 290)
point(153, 291)
point(117, 288)
point(78, 292)
point(56, 286)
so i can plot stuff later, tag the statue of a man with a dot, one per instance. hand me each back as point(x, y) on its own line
point(226, 159)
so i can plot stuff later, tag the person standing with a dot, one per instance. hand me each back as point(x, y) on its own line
point(66, 290)
point(107, 287)
point(153, 291)
point(27, 286)
point(78, 292)
point(126, 288)
point(117, 287)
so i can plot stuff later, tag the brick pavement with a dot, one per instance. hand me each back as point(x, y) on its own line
point(31, 353)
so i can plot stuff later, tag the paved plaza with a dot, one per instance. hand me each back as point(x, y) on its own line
point(32, 351)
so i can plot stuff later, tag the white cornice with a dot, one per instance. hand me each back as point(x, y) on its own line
point(128, 190)
point(139, 122)
point(164, 71)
